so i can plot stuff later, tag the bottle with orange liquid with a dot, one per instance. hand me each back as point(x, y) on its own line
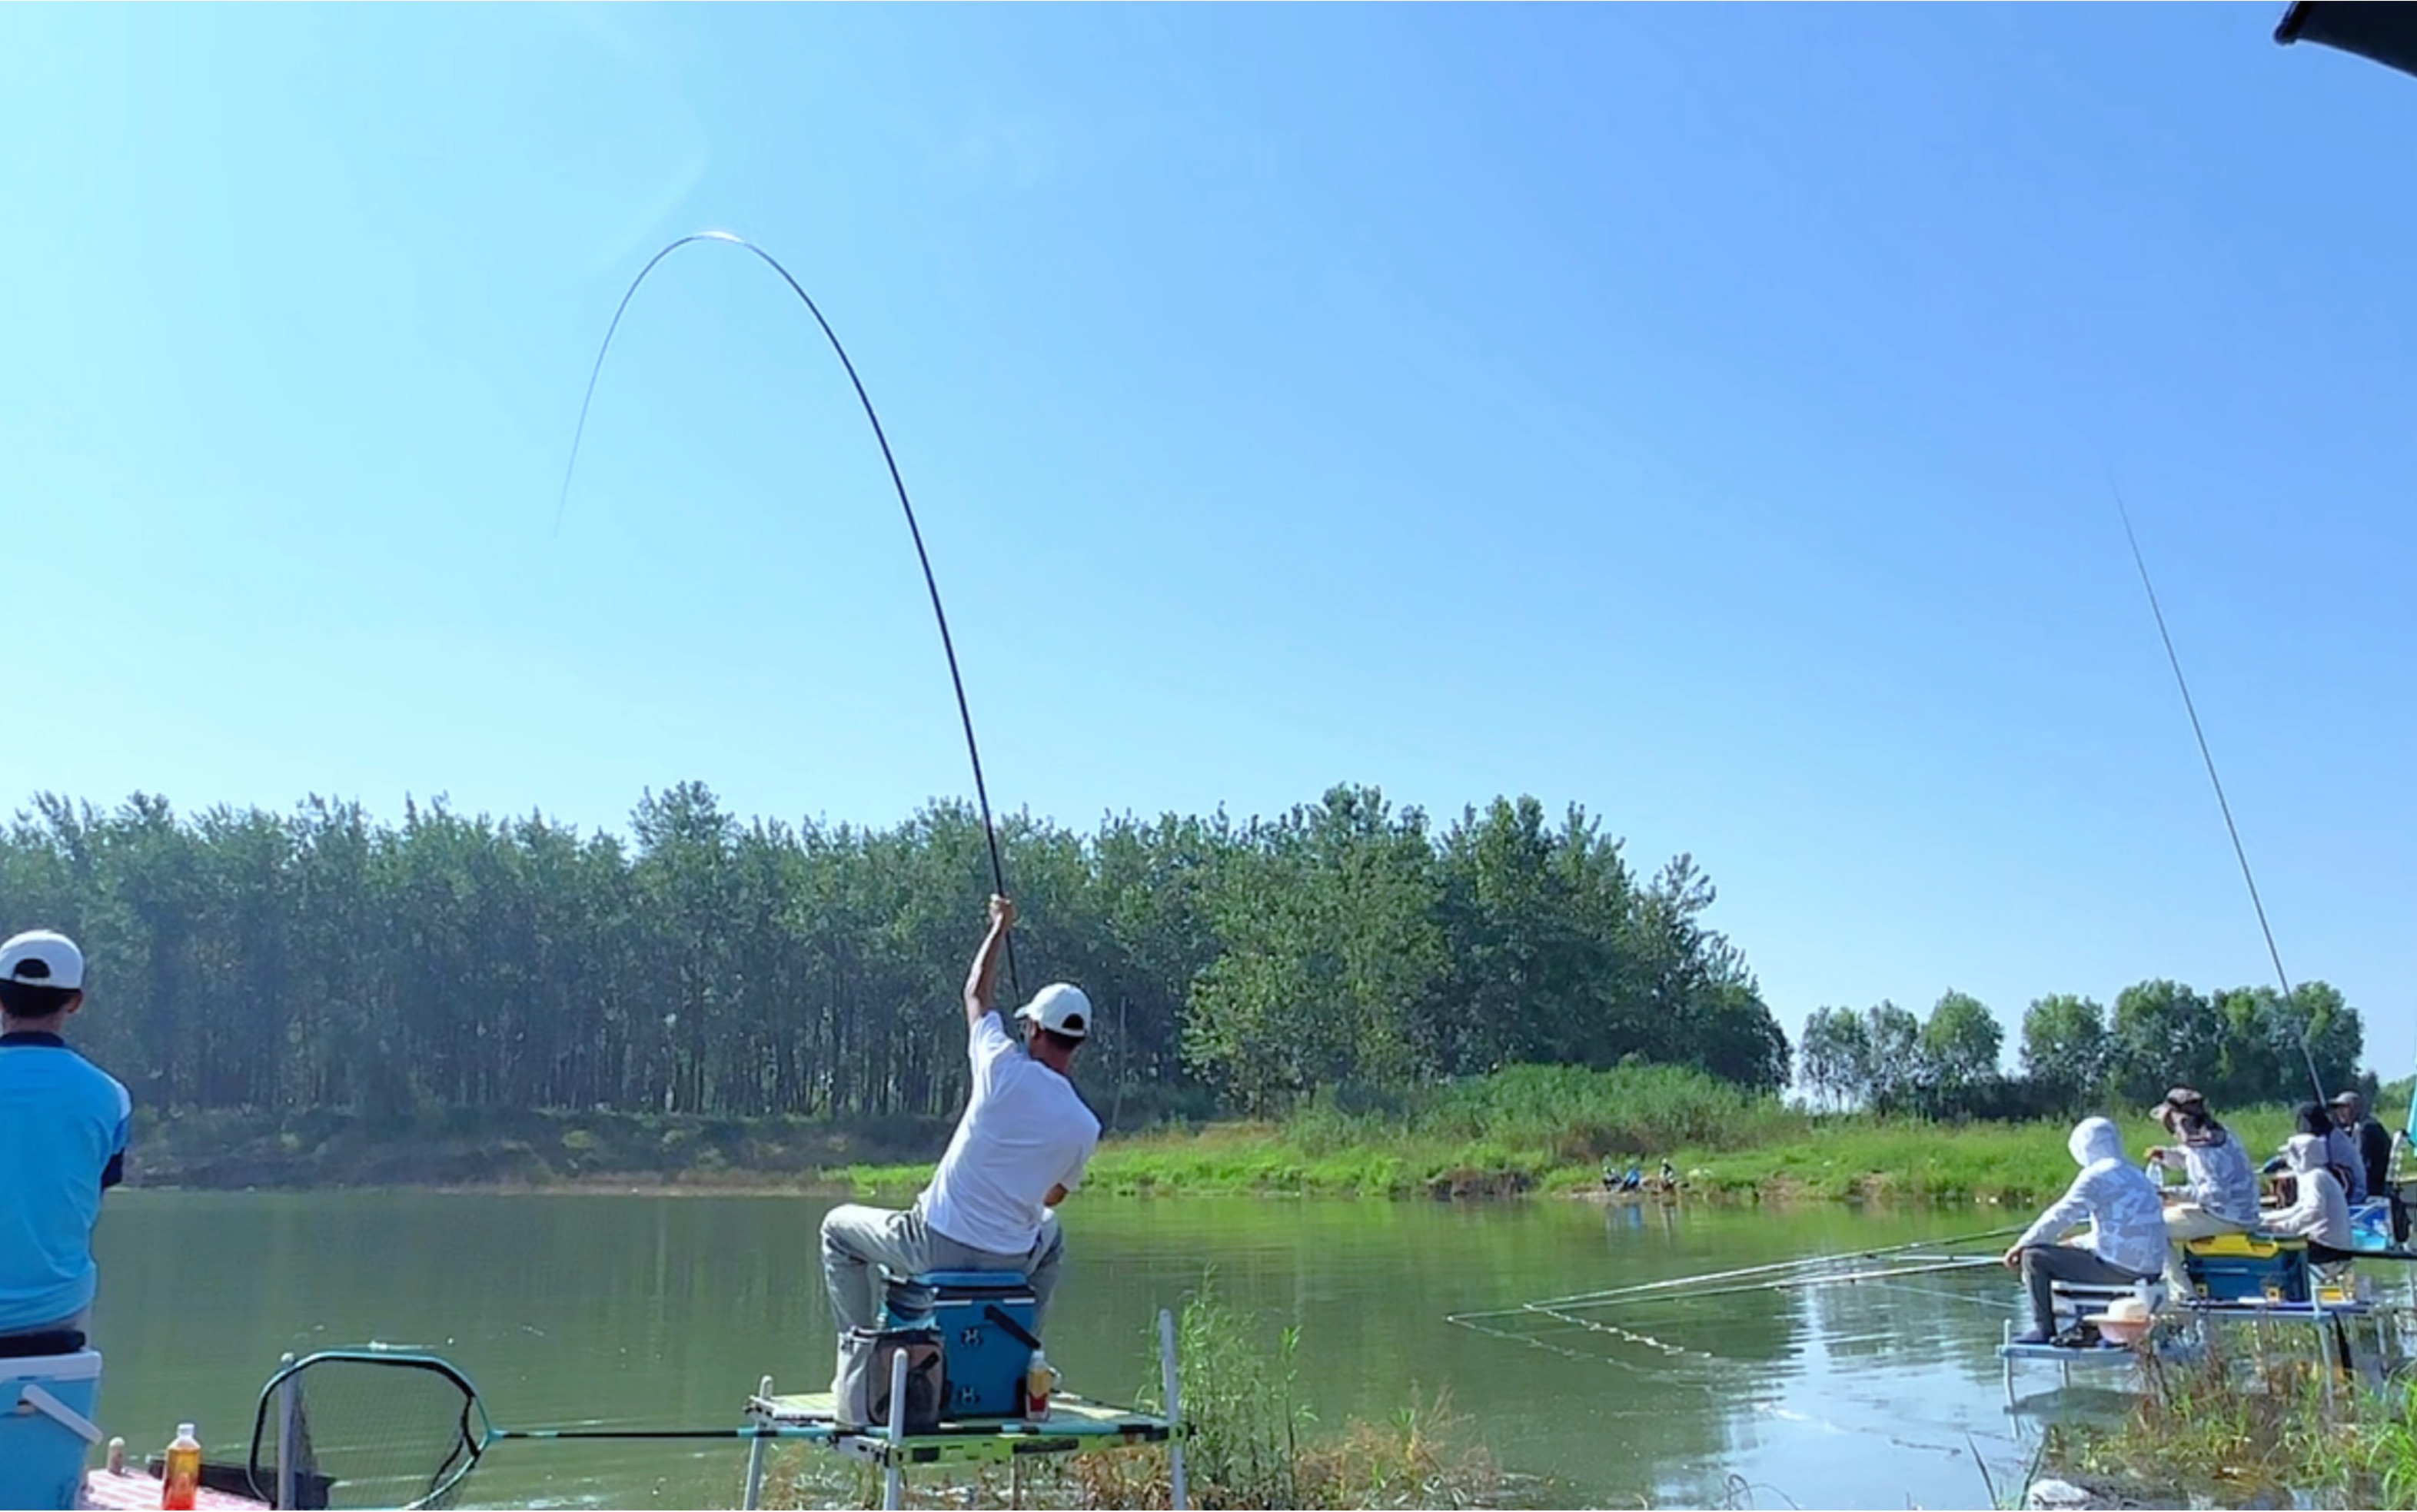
point(1040, 1380)
point(183, 1480)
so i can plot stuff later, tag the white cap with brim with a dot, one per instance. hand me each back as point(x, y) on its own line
point(1061, 1008)
point(42, 958)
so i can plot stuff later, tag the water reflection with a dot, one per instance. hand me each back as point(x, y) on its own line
point(664, 1311)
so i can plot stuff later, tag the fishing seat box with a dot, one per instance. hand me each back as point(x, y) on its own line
point(985, 1357)
point(2248, 1267)
point(43, 1453)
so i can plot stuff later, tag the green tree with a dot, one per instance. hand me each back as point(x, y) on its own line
point(2065, 1051)
point(1834, 1059)
point(1893, 1042)
point(1332, 956)
point(1959, 1052)
point(2164, 1035)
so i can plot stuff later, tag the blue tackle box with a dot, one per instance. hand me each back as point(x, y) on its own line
point(987, 1339)
point(2248, 1267)
point(2370, 1225)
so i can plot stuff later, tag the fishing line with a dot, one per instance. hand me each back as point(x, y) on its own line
point(1774, 1267)
point(948, 645)
point(2239, 851)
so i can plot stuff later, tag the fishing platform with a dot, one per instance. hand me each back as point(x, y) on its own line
point(1074, 1425)
point(2265, 1281)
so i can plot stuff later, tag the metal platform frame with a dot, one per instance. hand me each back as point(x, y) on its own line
point(2317, 1313)
point(1087, 1427)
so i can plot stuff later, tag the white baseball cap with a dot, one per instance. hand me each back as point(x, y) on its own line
point(1061, 1008)
point(42, 958)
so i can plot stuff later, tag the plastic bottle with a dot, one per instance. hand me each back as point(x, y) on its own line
point(1038, 1381)
point(183, 1480)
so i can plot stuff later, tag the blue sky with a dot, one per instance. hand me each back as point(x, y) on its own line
point(1701, 414)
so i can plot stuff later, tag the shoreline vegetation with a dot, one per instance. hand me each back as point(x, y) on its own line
point(2245, 1432)
point(1349, 997)
point(1541, 1130)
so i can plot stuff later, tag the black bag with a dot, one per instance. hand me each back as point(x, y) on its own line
point(861, 1392)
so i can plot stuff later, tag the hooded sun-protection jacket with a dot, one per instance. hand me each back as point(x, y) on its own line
point(2221, 1180)
point(2127, 1219)
point(2322, 1212)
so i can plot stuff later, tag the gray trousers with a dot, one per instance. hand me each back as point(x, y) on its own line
point(2044, 1264)
point(857, 1238)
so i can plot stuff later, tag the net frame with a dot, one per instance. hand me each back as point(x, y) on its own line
point(473, 1430)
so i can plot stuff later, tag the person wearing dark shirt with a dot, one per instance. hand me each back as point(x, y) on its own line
point(2374, 1141)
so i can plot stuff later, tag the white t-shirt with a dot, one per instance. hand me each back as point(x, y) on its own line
point(1025, 1131)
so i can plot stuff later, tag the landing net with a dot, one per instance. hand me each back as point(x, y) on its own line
point(366, 1429)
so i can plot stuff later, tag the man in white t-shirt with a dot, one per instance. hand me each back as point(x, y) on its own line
point(1019, 1149)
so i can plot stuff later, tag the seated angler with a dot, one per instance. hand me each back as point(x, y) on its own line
point(2221, 1194)
point(2319, 1213)
point(2341, 1153)
point(2126, 1242)
point(1020, 1147)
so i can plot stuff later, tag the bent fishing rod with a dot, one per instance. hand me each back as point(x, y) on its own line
point(2240, 851)
point(931, 583)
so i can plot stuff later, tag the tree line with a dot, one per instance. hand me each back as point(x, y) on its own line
point(320, 958)
point(2238, 1046)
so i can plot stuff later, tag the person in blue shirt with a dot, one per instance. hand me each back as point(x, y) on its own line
point(63, 1129)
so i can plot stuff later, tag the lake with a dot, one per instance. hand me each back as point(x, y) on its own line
point(640, 1310)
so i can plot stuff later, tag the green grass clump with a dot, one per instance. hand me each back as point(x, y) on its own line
point(2234, 1433)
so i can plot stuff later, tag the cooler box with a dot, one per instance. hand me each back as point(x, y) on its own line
point(46, 1431)
point(985, 1319)
point(2248, 1267)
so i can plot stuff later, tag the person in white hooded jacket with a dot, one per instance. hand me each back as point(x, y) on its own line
point(2127, 1227)
point(2221, 1196)
point(2321, 1213)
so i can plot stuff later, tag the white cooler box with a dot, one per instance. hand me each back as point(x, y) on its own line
point(46, 1427)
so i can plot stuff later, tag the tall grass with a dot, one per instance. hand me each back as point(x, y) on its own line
point(1568, 1114)
point(2234, 1433)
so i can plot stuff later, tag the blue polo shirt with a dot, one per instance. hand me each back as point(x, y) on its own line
point(63, 1128)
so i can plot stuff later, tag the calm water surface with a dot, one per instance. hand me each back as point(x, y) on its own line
point(642, 1310)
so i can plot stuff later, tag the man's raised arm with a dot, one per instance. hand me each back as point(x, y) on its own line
point(982, 982)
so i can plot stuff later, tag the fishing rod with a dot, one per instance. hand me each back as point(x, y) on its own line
point(931, 583)
point(410, 1422)
point(2240, 851)
point(1784, 1283)
point(1801, 1261)
point(1885, 1274)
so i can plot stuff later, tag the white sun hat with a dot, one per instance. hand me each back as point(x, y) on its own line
point(1061, 1008)
point(42, 958)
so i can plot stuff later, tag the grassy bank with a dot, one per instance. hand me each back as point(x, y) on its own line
point(1552, 1131)
point(484, 1147)
point(1548, 1129)
point(2236, 1434)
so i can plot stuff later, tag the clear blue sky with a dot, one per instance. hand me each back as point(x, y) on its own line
point(1700, 414)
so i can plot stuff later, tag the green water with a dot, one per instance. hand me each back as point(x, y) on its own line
point(640, 1310)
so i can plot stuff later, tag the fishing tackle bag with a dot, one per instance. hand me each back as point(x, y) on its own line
point(860, 1391)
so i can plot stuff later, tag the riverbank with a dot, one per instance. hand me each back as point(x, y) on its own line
point(1527, 1131)
point(2243, 1437)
